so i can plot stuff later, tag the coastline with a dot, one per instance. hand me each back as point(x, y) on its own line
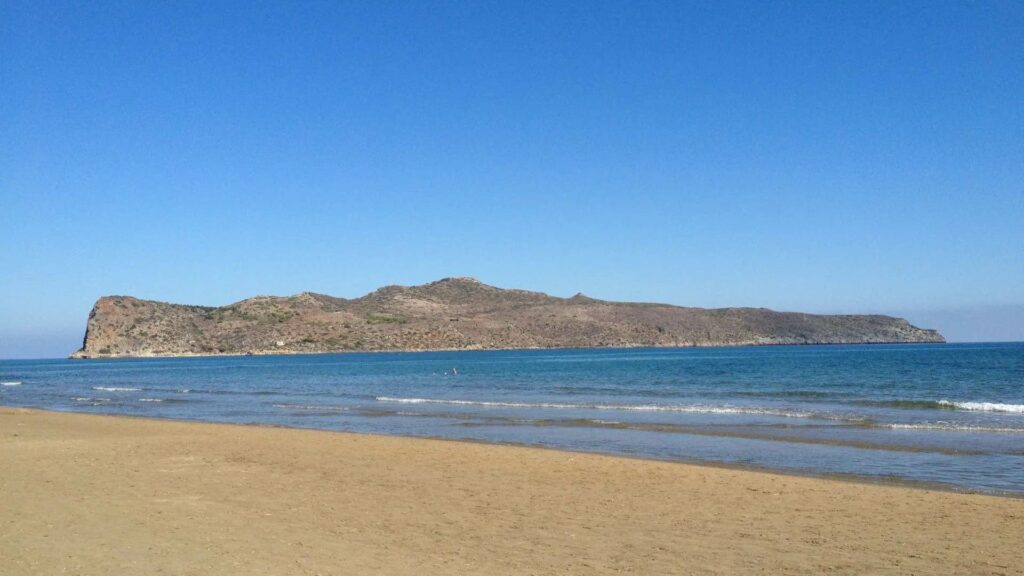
point(99, 494)
point(79, 355)
point(895, 481)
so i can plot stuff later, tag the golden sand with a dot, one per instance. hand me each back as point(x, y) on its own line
point(83, 494)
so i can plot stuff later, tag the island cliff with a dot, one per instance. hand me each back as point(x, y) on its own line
point(455, 314)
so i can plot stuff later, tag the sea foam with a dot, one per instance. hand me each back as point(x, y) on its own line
point(985, 406)
point(10, 383)
point(115, 389)
point(688, 409)
point(950, 427)
point(312, 407)
point(93, 401)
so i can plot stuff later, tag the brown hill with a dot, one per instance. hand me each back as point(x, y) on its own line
point(459, 314)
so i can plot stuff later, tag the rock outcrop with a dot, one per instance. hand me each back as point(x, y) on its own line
point(455, 314)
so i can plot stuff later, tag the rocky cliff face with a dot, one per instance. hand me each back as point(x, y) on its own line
point(455, 313)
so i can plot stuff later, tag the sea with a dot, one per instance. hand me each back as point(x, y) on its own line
point(944, 415)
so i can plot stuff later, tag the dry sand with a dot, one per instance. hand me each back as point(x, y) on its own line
point(82, 494)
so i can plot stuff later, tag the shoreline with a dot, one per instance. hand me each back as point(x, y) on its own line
point(77, 355)
point(895, 481)
point(99, 494)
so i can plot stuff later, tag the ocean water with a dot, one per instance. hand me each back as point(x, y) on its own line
point(950, 414)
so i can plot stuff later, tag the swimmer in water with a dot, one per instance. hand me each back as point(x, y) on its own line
point(455, 372)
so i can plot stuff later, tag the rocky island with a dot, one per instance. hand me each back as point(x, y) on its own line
point(455, 314)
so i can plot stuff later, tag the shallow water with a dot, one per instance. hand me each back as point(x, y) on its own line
point(951, 414)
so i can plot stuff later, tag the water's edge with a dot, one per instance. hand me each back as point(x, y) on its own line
point(892, 481)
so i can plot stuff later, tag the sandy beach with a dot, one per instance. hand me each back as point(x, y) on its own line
point(84, 494)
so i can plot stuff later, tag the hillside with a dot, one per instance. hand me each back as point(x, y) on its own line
point(455, 313)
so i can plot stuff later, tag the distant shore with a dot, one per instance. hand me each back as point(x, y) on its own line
point(99, 495)
point(457, 313)
point(79, 355)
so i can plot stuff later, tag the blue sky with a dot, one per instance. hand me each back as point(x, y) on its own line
point(818, 156)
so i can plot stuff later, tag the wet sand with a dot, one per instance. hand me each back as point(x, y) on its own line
point(84, 494)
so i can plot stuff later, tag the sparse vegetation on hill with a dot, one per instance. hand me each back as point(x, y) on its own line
point(455, 313)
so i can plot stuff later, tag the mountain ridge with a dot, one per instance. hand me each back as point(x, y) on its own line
point(455, 313)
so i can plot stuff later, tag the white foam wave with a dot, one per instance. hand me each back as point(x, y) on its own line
point(10, 383)
point(151, 399)
point(950, 427)
point(312, 407)
point(985, 406)
point(115, 389)
point(688, 408)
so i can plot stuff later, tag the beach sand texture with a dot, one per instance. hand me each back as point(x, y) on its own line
point(85, 494)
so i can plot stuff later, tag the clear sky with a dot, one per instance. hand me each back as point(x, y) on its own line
point(813, 156)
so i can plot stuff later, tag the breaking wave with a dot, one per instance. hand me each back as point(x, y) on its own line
point(946, 405)
point(984, 406)
point(312, 407)
point(687, 408)
point(950, 427)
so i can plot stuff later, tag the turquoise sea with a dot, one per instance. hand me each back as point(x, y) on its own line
point(950, 414)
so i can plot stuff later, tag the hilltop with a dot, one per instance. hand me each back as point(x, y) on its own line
point(455, 314)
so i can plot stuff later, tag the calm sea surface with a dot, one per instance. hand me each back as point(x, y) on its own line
point(950, 414)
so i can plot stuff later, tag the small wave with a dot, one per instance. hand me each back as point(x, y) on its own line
point(910, 404)
point(949, 427)
point(984, 406)
point(167, 400)
point(96, 401)
point(312, 407)
point(166, 390)
point(116, 389)
point(223, 393)
point(944, 405)
point(10, 383)
point(688, 409)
